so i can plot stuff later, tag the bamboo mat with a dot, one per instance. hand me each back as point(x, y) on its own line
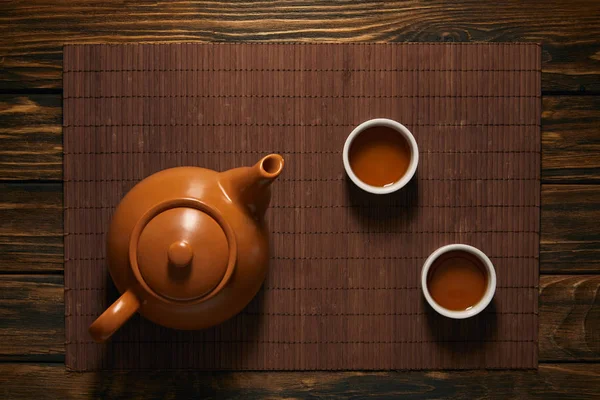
point(343, 291)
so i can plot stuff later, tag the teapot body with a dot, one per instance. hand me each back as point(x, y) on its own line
point(187, 246)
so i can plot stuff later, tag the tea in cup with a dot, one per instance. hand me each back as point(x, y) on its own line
point(458, 281)
point(381, 156)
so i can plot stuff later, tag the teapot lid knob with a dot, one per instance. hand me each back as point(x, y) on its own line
point(180, 254)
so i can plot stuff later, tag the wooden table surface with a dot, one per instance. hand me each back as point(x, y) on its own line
point(31, 231)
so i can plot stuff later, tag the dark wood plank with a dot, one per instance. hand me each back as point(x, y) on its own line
point(32, 315)
point(570, 240)
point(32, 311)
point(571, 139)
point(31, 138)
point(33, 34)
point(25, 381)
point(569, 310)
point(32, 239)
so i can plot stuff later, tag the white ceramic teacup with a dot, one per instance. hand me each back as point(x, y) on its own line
point(489, 291)
point(412, 166)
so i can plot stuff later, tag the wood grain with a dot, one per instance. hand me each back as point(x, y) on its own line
point(570, 327)
point(32, 311)
point(31, 236)
point(31, 58)
point(571, 139)
point(32, 314)
point(32, 239)
point(31, 138)
point(570, 238)
point(41, 381)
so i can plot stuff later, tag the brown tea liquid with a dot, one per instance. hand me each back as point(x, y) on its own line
point(457, 280)
point(379, 156)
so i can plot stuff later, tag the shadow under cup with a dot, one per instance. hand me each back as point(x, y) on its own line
point(458, 281)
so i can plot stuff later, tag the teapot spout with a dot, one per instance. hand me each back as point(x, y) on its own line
point(269, 167)
point(250, 185)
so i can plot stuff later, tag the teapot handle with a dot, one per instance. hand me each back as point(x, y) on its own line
point(114, 317)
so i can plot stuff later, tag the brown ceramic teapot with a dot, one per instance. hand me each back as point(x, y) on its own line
point(187, 247)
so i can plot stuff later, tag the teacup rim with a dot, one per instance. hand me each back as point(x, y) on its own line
point(412, 166)
point(489, 292)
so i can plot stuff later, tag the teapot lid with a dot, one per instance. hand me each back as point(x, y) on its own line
point(183, 250)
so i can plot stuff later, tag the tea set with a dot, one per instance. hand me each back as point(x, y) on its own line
point(188, 249)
